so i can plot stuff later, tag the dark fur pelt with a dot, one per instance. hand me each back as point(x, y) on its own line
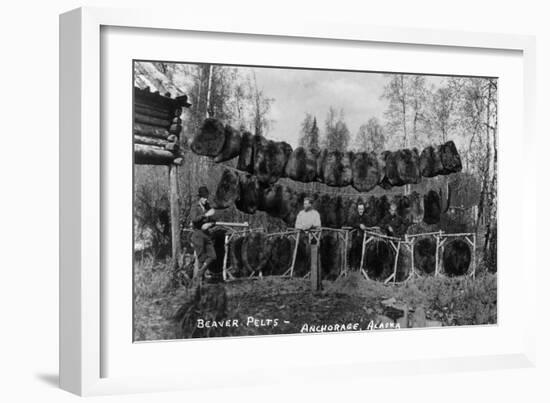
point(365, 171)
point(450, 158)
point(383, 180)
point(432, 207)
point(232, 145)
point(271, 198)
point(372, 209)
point(302, 165)
point(456, 258)
point(228, 190)
point(330, 254)
point(430, 162)
point(382, 208)
point(321, 158)
point(337, 204)
point(330, 209)
point(356, 247)
point(379, 260)
point(280, 259)
point(277, 201)
point(270, 159)
point(301, 267)
point(336, 168)
point(255, 252)
point(424, 255)
point(403, 204)
point(210, 138)
point(249, 194)
point(408, 166)
point(235, 250)
point(402, 167)
point(392, 172)
point(403, 268)
point(288, 201)
point(349, 209)
point(322, 206)
point(416, 207)
point(295, 205)
point(246, 154)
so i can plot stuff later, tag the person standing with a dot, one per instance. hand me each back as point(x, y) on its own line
point(361, 219)
point(202, 220)
point(308, 218)
point(393, 224)
point(360, 222)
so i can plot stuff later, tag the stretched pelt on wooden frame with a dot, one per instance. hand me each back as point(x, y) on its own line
point(228, 190)
point(255, 252)
point(432, 207)
point(457, 256)
point(282, 249)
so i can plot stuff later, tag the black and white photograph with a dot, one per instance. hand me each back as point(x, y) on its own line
point(271, 200)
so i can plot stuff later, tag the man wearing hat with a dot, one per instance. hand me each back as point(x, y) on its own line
point(202, 219)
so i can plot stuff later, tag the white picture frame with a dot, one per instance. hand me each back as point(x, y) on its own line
point(82, 196)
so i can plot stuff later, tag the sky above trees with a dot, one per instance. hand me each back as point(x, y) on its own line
point(297, 92)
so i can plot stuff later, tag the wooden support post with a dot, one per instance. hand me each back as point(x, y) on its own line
point(314, 238)
point(413, 269)
point(344, 269)
point(363, 247)
point(315, 272)
point(225, 255)
point(174, 214)
point(295, 253)
point(474, 255)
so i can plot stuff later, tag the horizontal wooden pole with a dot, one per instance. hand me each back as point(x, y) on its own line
point(151, 141)
point(232, 224)
point(141, 129)
point(165, 123)
point(457, 234)
point(156, 113)
point(150, 155)
point(153, 107)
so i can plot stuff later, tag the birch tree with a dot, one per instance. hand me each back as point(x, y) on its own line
point(370, 137)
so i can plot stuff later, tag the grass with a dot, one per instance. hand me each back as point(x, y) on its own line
point(350, 299)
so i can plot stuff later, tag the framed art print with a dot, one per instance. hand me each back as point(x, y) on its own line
point(256, 196)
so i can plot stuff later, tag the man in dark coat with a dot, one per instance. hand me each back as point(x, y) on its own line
point(360, 221)
point(202, 219)
point(393, 224)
